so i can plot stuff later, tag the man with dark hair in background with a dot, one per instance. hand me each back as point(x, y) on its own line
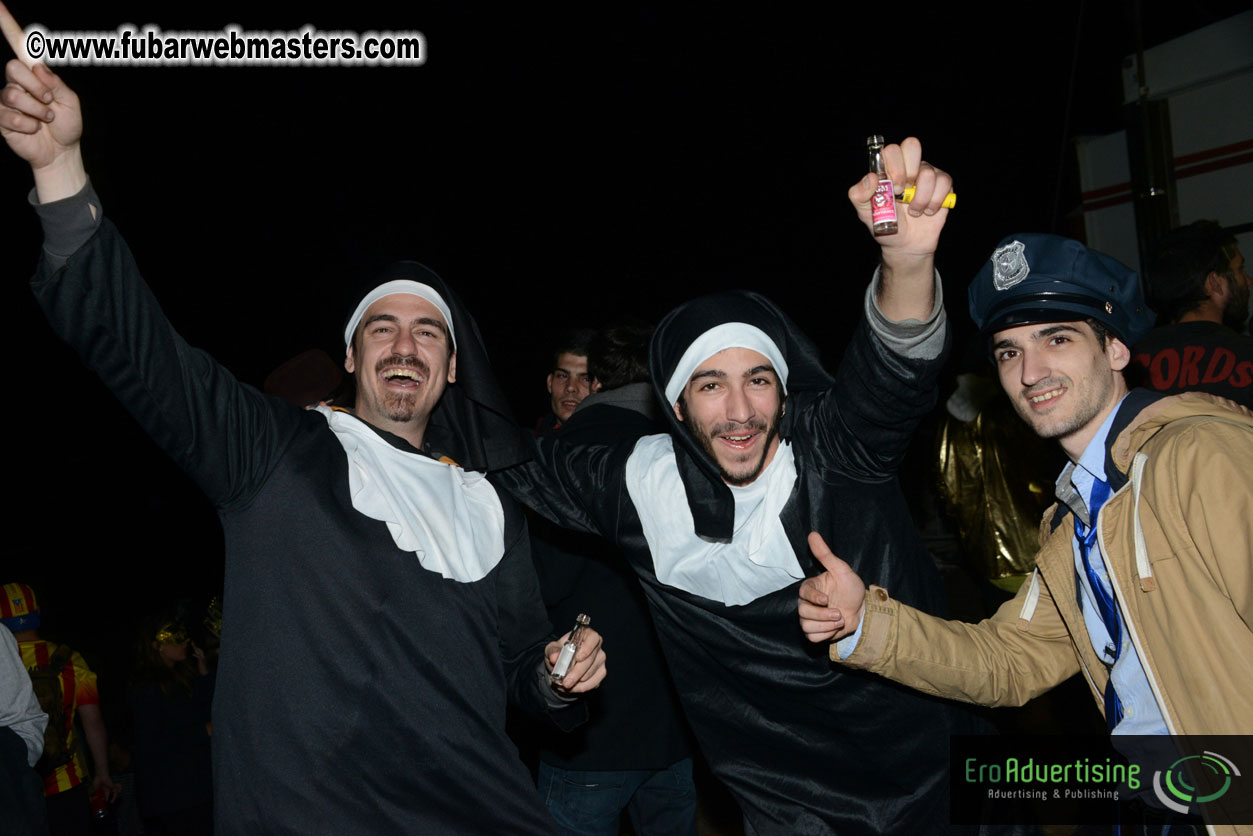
point(1198, 284)
point(617, 362)
point(568, 379)
point(618, 356)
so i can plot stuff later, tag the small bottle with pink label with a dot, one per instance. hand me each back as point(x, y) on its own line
point(883, 204)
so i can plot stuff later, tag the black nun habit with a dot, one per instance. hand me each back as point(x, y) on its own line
point(358, 691)
point(804, 747)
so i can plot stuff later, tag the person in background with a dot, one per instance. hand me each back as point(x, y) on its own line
point(170, 698)
point(568, 379)
point(1199, 285)
point(22, 724)
point(66, 690)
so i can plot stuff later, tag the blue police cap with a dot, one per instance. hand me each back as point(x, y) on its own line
point(1034, 277)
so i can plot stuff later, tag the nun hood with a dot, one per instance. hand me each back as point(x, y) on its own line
point(472, 424)
point(711, 502)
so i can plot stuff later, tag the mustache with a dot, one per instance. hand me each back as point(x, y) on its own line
point(1045, 386)
point(398, 360)
point(730, 427)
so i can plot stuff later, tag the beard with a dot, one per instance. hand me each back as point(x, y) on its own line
point(1236, 310)
point(1086, 405)
point(751, 464)
point(402, 406)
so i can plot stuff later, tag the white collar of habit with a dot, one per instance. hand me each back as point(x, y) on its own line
point(759, 559)
point(450, 518)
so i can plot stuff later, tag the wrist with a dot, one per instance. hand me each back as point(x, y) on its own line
point(905, 265)
point(63, 177)
point(906, 288)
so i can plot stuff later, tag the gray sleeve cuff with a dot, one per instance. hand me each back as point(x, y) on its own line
point(68, 223)
point(909, 338)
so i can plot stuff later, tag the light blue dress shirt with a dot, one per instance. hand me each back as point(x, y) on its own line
point(1141, 714)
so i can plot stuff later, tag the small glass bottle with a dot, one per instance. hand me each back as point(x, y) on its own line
point(568, 650)
point(883, 204)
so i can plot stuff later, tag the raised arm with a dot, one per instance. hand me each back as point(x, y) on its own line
point(905, 286)
point(223, 434)
point(575, 486)
point(886, 381)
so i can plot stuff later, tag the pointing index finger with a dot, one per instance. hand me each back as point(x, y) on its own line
point(14, 35)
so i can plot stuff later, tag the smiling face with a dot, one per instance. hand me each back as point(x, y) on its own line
point(732, 405)
point(568, 384)
point(1061, 379)
point(403, 359)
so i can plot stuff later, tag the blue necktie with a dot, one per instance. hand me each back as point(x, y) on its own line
point(1105, 603)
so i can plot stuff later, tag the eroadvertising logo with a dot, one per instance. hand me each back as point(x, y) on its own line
point(1042, 779)
point(1177, 788)
point(1099, 780)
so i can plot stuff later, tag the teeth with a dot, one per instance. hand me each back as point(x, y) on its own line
point(737, 437)
point(1046, 396)
point(409, 373)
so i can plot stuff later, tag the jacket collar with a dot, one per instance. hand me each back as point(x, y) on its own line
point(1142, 414)
point(1131, 406)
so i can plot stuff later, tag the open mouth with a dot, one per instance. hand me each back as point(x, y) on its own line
point(739, 441)
point(402, 377)
point(1046, 397)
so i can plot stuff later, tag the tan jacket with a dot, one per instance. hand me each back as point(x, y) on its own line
point(1187, 591)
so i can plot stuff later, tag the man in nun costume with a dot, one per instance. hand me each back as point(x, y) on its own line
point(380, 603)
point(764, 447)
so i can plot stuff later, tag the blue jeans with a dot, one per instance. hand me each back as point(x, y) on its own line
point(660, 803)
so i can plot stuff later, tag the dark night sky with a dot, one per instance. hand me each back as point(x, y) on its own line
point(558, 167)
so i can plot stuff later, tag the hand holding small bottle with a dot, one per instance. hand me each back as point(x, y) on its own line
point(576, 662)
point(907, 283)
point(918, 222)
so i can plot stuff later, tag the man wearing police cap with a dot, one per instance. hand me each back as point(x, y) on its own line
point(1143, 581)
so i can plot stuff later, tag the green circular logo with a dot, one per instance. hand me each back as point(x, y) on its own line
point(1185, 784)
